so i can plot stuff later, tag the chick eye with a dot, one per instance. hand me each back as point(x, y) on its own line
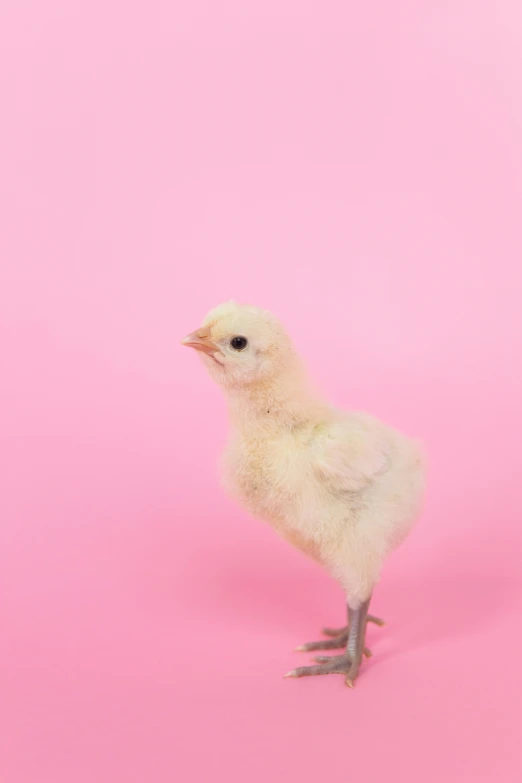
point(239, 343)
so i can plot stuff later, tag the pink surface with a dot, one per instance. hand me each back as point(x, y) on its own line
point(357, 168)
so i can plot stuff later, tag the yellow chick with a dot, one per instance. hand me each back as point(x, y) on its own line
point(342, 487)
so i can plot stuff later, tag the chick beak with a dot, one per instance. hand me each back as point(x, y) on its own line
point(200, 341)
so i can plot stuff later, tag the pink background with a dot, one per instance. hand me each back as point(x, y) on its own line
point(357, 168)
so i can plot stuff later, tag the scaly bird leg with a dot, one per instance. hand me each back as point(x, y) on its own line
point(349, 662)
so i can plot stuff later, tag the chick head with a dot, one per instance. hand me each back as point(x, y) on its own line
point(241, 345)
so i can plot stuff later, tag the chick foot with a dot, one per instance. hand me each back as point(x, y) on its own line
point(331, 664)
point(338, 638)
point(352, 636)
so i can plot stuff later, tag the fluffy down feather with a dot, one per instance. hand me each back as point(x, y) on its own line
point(342, 487)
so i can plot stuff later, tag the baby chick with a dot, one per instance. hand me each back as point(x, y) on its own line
point(342, 487)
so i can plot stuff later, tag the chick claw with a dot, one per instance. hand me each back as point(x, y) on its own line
point(329, 644)
point(339, 638)
point(335, 664)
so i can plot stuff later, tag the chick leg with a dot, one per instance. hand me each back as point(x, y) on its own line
point(349, 662)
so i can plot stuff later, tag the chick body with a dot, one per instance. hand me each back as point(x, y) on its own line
point(285, 474)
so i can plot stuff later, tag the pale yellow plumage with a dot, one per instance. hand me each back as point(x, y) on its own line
point(342, 487)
